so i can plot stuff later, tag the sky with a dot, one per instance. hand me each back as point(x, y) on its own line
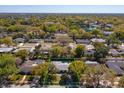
point(61, 8)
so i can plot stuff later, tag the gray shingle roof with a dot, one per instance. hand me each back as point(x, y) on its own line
point(82, 41)
point(98, 40)
point(116, 67)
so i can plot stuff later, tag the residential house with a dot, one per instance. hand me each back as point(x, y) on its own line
point(6, 49)
point(100, 40)
point(35, 41)
point(109, 25)
point(89, 50)
point(107, 33)
point(91, 63)
point(117, 67)
point(27, 46)
point(19, 40)
point(61, 66)
point(82, 41)
point(49, 40)
point(113, 52)
point(72, 46)
point(115, 59)
point(121, 49)
point(46, 48)
point(27, 66)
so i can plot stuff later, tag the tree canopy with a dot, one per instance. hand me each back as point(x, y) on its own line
point(46, 71)
point(22, 54)
point(76, 69)
point(80, 50)
point(7, 67)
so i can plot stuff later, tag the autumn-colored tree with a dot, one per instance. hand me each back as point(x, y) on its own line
point(8, 41)
point(76, 69)
point(22, 54)
point(46, 71)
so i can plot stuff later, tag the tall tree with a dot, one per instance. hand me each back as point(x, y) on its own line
point(7, 67)
point(56, 51)
point(101, 52)
point(76, 69)
point(113, 40)
point(7, 41)
point(80, 51)
point(16, 28)
point(73, 33)
point(22, 54)
point(93, 76)
point(46, 71)
point(64, 79)
point(96, 32)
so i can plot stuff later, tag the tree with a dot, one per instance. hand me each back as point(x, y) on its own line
point(59, 51)
point(21, 21)
point(64, 79)
point(73, 33)
point(66, 52)
point(83, 34)
point(80, 51)
point(7, 67)
point(35, 32)
point(86, 35)
point(56, 51)
point(98, 44)
point(109, 75)
point(96, 32)
point(113, 40)
point(121, 82)
point(33, 21)
point(101, 52)
point(63, 40)
point(87, 79)
point(76, 69)
point(6, 22)
point(93, 76)
point(119, 32)
point(52, 28)
point(22, 54)
point(16, 28)
point(7, 41)
point(46, 71)
point(62, 27)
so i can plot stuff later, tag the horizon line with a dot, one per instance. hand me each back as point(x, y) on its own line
point(65, 12)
